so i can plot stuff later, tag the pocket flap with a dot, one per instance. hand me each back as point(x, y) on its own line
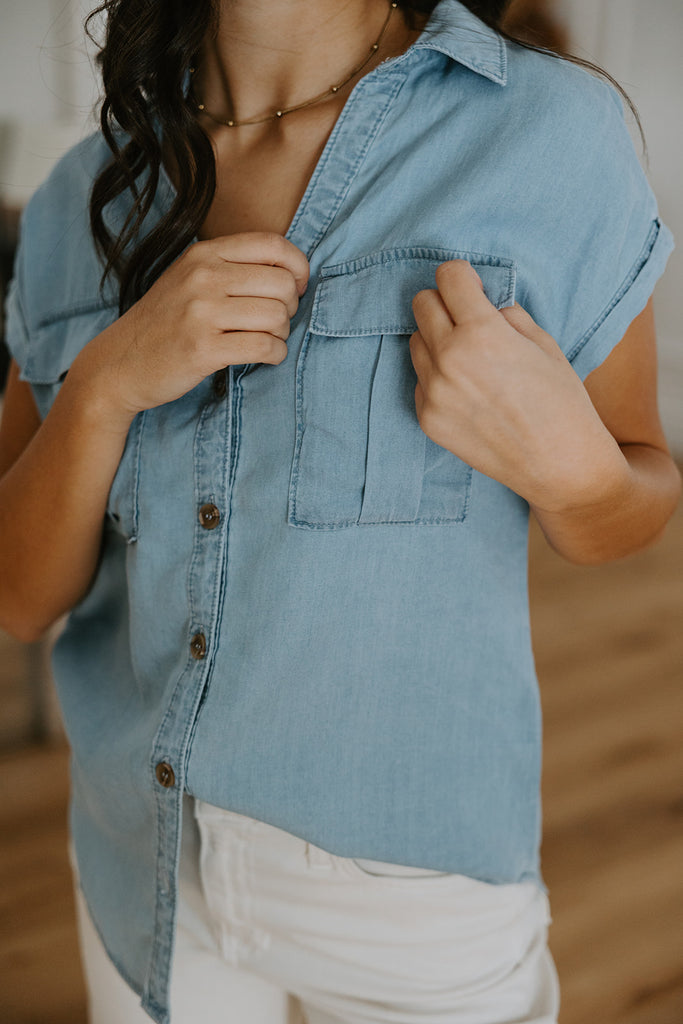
point(374, 294)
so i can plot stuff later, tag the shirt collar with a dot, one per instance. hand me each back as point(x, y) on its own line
point(454, 30)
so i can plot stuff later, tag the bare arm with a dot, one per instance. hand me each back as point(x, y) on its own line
point(53, 494)
point(225, 301)
point(639, 499)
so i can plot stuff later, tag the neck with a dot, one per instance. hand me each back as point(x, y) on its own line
point(271, 54)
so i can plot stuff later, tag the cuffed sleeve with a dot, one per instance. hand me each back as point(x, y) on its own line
point(16, 330)
point(623, 245)
point(628, 301)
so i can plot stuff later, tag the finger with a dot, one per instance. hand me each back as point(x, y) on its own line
point(251, 347)
point(254, 314)
point(421, 356)
point(525, 324)
point(431, 316)
point(263, 247)
point(259, 280)
point(462, 292)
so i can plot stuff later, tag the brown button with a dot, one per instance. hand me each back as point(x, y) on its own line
point(220, 384)
point(209, 516)
point(198, 646)
point(165, 774)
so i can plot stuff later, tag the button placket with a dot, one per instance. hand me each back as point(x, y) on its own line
point(170, 747)
point(215, 453)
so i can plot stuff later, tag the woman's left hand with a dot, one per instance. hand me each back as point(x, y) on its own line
point(496, 390)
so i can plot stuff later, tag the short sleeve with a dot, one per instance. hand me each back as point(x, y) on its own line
point(54, 304)
point(16, 330)
point(621, 246)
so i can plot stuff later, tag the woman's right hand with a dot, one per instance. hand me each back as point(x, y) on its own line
point(224, 301)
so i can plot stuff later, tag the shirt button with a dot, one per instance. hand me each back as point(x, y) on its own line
point(198, 646)
point(165, 774)
point(209, 516)
point(219, 384)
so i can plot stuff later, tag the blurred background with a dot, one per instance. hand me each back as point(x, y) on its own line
point(608, 641)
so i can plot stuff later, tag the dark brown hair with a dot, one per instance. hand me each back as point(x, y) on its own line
point(147, 49)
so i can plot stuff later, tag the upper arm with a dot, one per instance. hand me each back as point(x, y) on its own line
point(623, 388)
point(20, 419)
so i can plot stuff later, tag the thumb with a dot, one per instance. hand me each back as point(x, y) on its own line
point(525, 324)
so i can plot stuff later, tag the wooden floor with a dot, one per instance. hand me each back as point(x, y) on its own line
point(609, 651)
point(609, 646)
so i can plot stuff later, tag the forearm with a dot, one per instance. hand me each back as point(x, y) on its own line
point(632, 512)
point(52, 508)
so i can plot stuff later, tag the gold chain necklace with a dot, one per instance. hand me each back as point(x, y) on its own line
point(308, 103)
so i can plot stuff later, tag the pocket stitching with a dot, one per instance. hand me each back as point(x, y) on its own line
point(328, 273)
point(385, 257)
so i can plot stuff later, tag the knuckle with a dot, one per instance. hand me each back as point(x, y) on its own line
point(200, 277)
point(284, 316)
point(415, 344)
point(274, 241)
point(422, 413)
point(421, 298)
point(273, 350)
point(289, 287)
point(277, 318)
point(450, 372)
point(427, 417)
point(434, 393)
point(195, 309)
point(196, 254)
point(280, 352)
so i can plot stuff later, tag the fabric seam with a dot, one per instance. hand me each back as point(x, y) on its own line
point(624, 287)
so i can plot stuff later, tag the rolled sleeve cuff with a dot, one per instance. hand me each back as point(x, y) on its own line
point(16, 333)
point(630, 299)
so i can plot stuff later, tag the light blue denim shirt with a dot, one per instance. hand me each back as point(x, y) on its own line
point(340, 645)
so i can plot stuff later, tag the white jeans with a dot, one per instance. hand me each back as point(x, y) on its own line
point(273, 930)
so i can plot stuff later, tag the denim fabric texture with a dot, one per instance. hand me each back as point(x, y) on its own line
point(368, 682)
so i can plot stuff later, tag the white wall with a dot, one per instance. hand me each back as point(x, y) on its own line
point(44, 71)
point(639, 42)
point(47, 89)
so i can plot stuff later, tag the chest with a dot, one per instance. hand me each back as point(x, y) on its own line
point(260, 184)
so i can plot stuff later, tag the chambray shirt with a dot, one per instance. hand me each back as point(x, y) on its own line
point(306, 610)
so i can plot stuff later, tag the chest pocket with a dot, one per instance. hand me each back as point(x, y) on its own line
point(52, 348)
point(361, 457)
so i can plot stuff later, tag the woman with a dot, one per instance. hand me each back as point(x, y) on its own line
point(376, 284)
